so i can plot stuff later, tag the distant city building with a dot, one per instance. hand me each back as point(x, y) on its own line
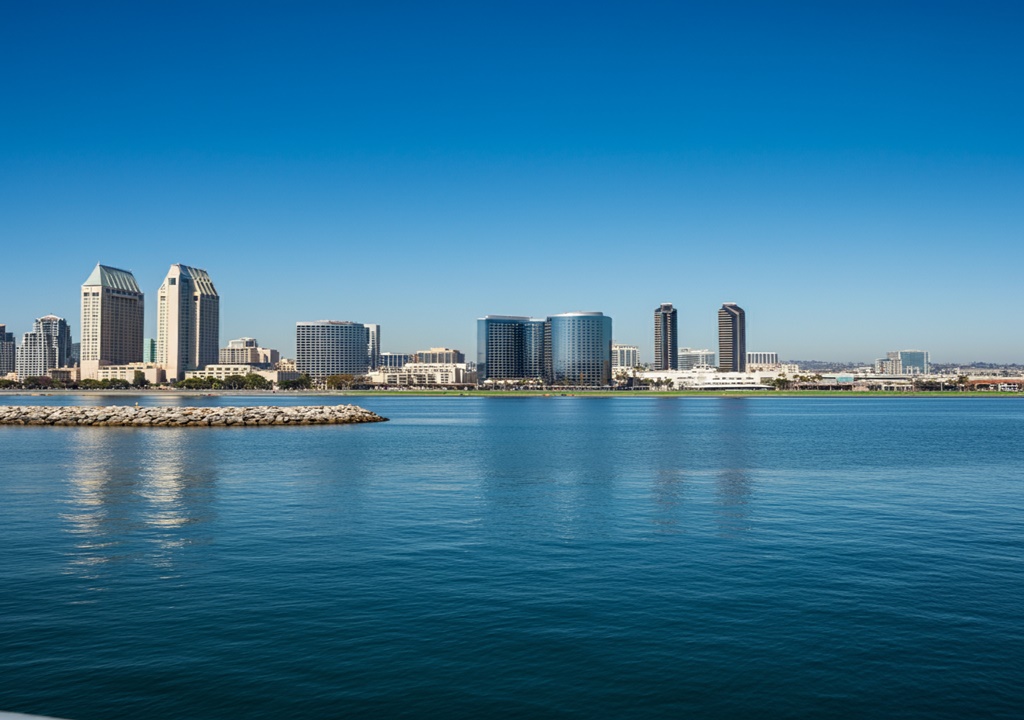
point(149, 350)
point(247, 351)
point(222, 371)
point(914, 362)
point(570, 348)
point(666, 334)
point(732, 338)
point(510, 348)
point(580, 349)
point(331, 347)
point(373, 347)
point(762, 361)
point(440, 356)
point(889, 365)
point(151, 372)
point(47, 346)
point(625, 357)
point(416, 373)
point(188, 321)
point(393, 360)
point(904, 362)
point(7, 351)
point(690, 358)
point(76, 354)
point(113, 315)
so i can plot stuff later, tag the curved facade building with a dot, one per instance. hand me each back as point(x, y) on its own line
point(510, 348)
point(580, 349)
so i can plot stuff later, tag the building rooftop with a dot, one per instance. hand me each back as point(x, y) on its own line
point(111, 277)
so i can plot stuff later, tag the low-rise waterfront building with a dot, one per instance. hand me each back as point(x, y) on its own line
point(705, 378)
point(425, 374)
point(152, 372)
point(221, 371)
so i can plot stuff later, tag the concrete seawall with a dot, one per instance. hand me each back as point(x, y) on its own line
point(225, 416)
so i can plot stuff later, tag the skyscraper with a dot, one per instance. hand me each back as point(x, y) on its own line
point(47, 346)
point(7, 351)
point(188, 321)
point(580, 349)
point(666, 334)
point(331, 347)
point(112, 319)
point(373, 348)
point(732, 339)
point(510, 347)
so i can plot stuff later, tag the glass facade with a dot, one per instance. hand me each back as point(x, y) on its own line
point(580, 349)
point(732, 339)
point(914, 362)
point(510, 348)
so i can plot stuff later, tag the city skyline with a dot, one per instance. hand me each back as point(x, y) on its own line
point(123, 281)
point(850, 163)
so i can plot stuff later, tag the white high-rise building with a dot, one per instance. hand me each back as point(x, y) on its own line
point(112, 320)
point(625, 357)
point(48, 346)
point(331, 347)
point(188, 321)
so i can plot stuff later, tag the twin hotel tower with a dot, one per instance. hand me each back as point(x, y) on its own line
point(570, 348)
point(113, 322)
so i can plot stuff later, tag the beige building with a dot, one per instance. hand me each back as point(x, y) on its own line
point(188, 321)
point(112, 320)
point(247, 351)
point(425, 374)
point(151, 371)
point(220, 371)
point(439, 356)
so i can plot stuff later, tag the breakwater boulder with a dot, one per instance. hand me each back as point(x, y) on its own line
point(134, 416)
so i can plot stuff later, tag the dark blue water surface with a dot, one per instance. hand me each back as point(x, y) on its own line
point(582, 557)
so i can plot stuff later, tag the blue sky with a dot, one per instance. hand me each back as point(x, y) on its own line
point(852, 174)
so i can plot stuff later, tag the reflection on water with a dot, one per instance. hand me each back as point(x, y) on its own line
point(133, 496)
point(734, 438)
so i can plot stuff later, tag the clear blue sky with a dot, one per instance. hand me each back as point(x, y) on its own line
point(850, 173)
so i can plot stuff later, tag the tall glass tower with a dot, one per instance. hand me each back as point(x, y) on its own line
point(509, 347)
point(666, 334)
point(580, 349)
point(732, 339)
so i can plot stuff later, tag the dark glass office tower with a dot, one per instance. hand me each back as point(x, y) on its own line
point(666, 334)
point(510, 348)
point(732, 339)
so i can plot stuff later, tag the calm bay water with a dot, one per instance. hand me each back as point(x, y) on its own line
point(643, 557)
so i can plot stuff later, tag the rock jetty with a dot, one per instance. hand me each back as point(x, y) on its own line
point(129, 416)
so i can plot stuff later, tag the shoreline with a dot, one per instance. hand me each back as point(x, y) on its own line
point(505, 393)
